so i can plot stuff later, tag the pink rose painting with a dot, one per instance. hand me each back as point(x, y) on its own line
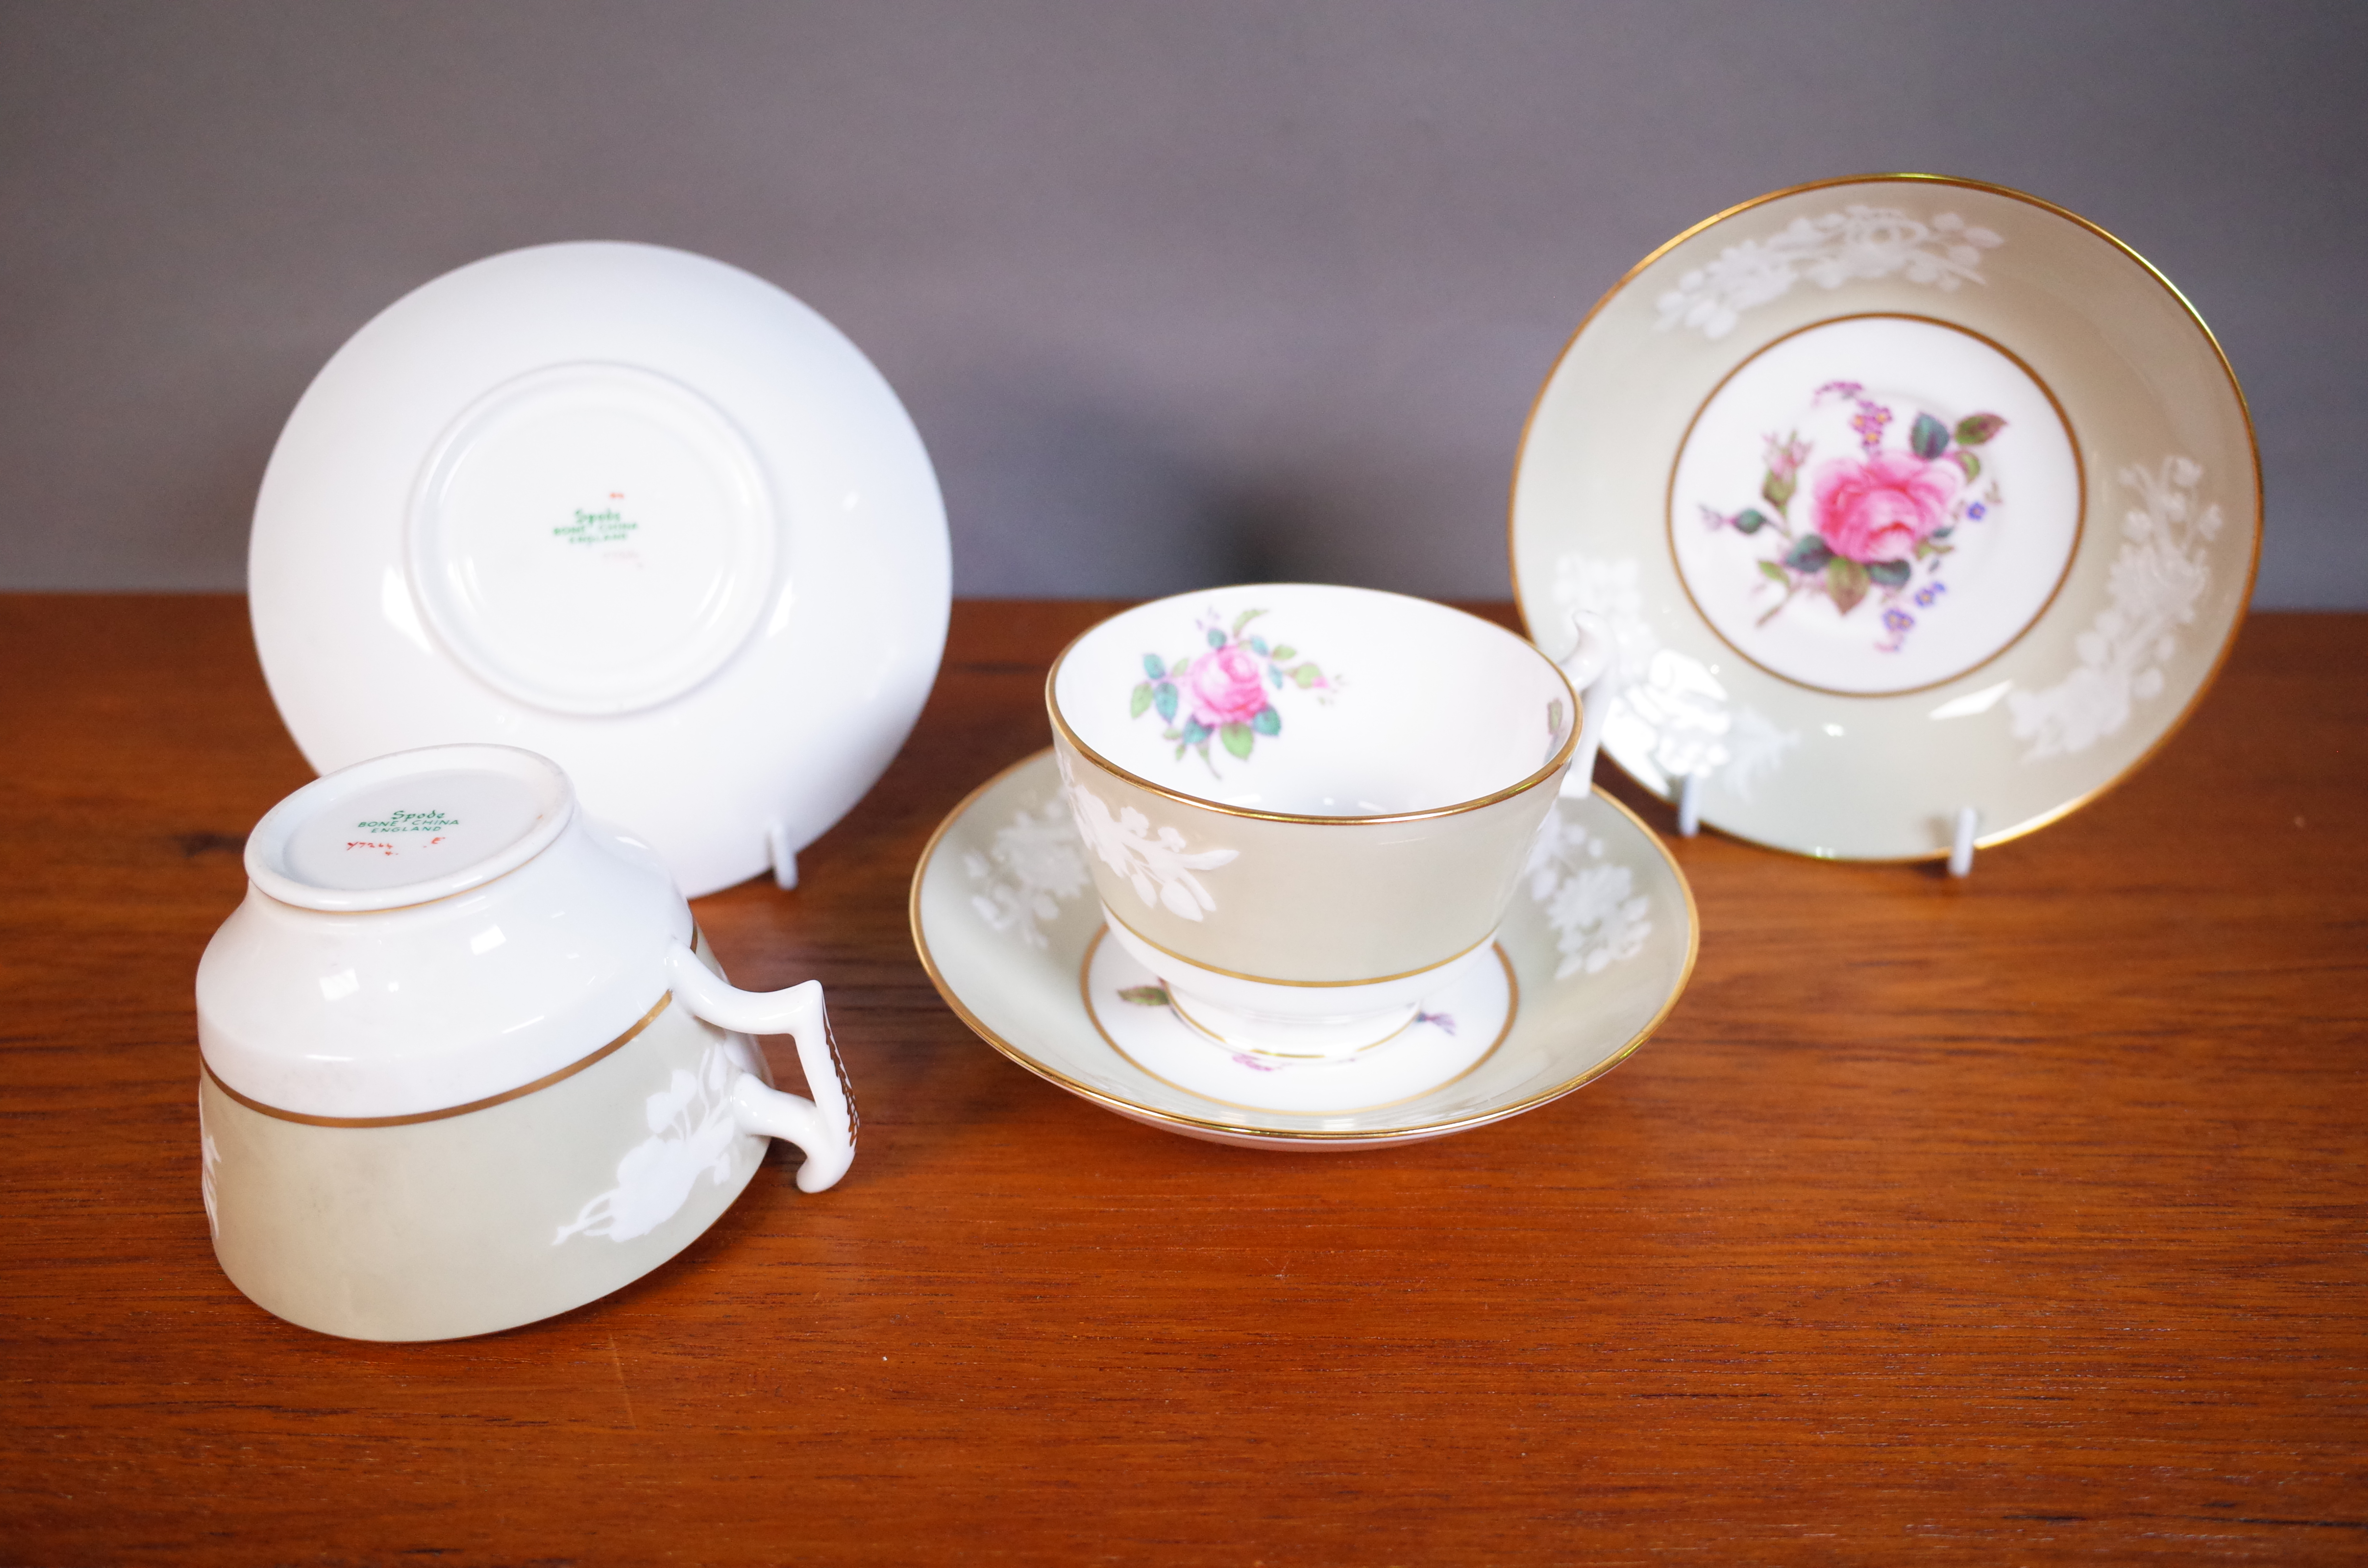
point(1226, 686)
point(1882, 508)
point(1880, 518)
point(1226, 693)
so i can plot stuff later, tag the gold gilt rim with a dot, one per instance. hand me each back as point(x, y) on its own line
point(2063, 575)
point(1112, 915)
point(2244, 413)
point(1553, 763)
point(412, 1119)
point(1379, 1136)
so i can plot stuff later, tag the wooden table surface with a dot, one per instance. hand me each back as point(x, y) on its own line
point(2013, 1220)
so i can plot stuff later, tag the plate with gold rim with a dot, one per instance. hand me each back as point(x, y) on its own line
point(1900, 495)
point(1593, 954)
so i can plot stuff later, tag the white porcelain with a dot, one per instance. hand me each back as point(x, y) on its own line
point(631, 508)
point(1590, 956)
point(461, 1046)
point(1898, 497)
point(1307, 803)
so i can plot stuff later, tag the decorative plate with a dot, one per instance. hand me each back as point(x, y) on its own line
point(626, 506)
point(1901, 495)
point(1594, 952)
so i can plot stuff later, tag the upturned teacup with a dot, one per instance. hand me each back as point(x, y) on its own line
point(1306, 805)
point(466, 1061)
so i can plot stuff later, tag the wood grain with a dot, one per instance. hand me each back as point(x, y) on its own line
point(2013, 1220)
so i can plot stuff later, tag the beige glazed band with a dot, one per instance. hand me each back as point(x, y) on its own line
point(519, 1093)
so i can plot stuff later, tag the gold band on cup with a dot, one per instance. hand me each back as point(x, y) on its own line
point(488, 1102)
point(1112, 915)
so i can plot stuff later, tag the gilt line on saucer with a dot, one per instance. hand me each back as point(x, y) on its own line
point(945, 957)
point(1838, 507)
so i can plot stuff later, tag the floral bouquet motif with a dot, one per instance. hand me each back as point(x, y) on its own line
point(1879, 520)
point(1224, 693)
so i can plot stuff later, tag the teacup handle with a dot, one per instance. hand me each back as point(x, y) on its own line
point(1593, 666)
point(825, 1126)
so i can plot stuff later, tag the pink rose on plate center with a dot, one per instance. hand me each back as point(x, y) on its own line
point(1225, 686)
point(1880, 509)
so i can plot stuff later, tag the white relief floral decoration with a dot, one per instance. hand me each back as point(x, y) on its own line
point(1670, 710)
point(210, 1157)
point(692, 1131)
point(2154, 583)
point(1034, 865)
point(1859, 241)
point(1155, 863)
point(1590, 901)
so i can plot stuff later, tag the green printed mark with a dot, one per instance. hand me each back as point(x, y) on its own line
point(409, 821)
point(605, 527)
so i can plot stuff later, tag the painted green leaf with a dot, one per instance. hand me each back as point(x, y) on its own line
point(1970, 463)
point(1778, 491)
point(1890, 573)
point(1770, 569)
point(1306, 675)
point(1180, 666)
point(1928, 437)
point(1809, 554)
point(1285, 651)
point(1153, 667)
point(1238, 739)
point(1268, 722)
point(1553, 719)
point(1752, 519)
point(1144, 996)
point(1846, 582)
point(1164, 694)
point(1195, 732)
point(1976, 428)
point(1244, 619)
point(1216, 638)
point(1141, 700)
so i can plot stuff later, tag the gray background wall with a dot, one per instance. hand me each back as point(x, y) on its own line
point(1178, 292)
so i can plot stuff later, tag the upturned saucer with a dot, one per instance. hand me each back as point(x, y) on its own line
point(1593, 954)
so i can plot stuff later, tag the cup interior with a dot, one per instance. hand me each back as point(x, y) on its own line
point(1303, 700)
point(409, 827)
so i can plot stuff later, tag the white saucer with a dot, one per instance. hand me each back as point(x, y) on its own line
point(2035, 465)
point(1594, 953)
point(628, 507)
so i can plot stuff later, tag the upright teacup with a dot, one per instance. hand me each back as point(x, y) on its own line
point(1307, 806)
point(466, 1061)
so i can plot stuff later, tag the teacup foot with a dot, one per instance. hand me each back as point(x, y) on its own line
point(1446, 1035)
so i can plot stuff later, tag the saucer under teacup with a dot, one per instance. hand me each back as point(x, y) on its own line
point(1592, 955)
